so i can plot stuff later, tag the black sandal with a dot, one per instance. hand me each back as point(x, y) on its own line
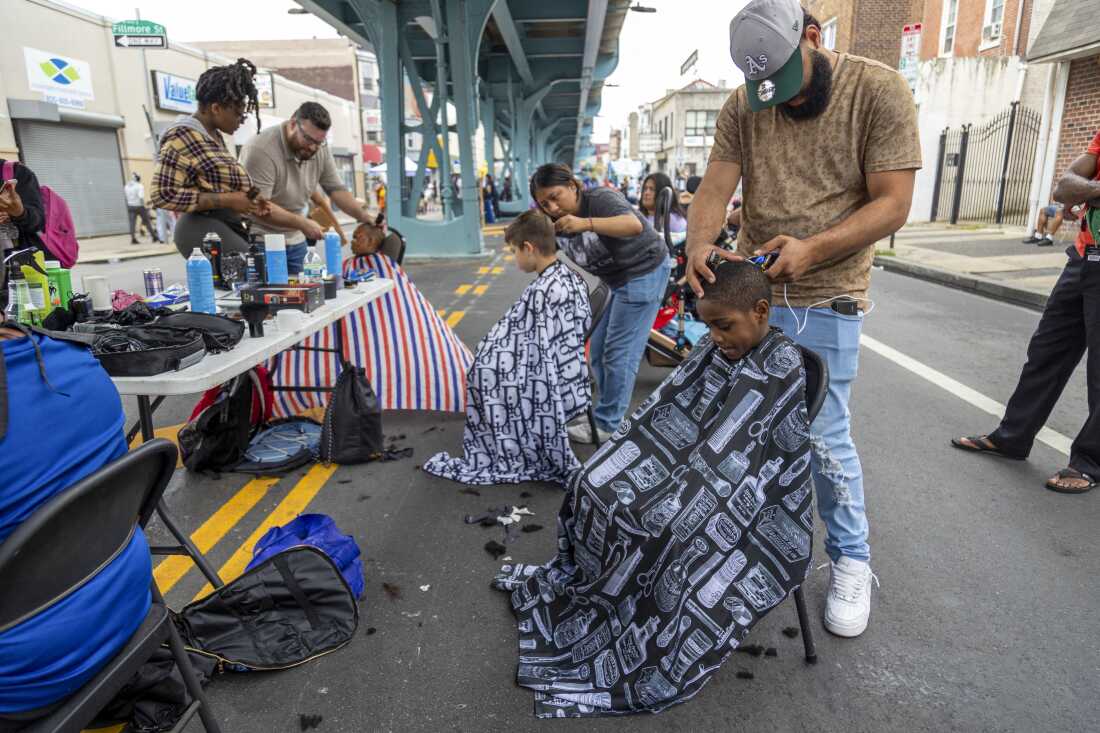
point(1065, 473)
point(982, 444)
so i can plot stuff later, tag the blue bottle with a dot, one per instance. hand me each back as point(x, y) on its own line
point(200, 282)
point(275, 247)
point(333, 259)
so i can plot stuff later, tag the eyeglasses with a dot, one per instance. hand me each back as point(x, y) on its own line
point(310, 140)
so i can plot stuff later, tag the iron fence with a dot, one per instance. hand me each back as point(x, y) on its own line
point(983, 172)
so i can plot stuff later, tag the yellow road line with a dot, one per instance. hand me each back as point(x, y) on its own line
point(483, 271)
point(462, 289)
point(172, 568)
point(509, 258)
point(498, 270)
point(480, 289)
point(454, 318)
point(291, 506)
point(440, 311)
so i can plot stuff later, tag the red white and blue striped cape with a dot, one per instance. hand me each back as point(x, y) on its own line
point(411, 356)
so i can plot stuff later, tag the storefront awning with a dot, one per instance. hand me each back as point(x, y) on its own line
point(372, 154)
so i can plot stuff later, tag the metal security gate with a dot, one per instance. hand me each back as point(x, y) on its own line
point(84, 166)
point(983, 173)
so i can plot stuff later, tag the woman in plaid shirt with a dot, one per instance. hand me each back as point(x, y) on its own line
point(197, 175)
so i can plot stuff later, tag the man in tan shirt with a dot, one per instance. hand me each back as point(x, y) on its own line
point(826, 148)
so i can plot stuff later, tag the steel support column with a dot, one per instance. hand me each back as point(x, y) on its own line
point(522, 150)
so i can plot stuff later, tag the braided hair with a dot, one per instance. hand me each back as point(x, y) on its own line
point(230, 84)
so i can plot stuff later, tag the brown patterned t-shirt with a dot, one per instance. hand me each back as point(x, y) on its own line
point(801, 177)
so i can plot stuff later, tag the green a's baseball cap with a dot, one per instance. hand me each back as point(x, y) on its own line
point(764, 40)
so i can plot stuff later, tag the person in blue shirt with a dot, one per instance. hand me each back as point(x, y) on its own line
point(61, 420)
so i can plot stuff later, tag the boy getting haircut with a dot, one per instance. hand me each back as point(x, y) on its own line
point(739, 285)
point(535, 227)
point(528, 379)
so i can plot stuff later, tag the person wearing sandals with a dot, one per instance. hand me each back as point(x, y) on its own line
point(1066, 331)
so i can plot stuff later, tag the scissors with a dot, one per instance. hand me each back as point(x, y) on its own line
point(759, 428)
point(649, 577)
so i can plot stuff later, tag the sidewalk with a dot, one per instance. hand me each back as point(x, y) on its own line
point(116, 248)
point(991, 261)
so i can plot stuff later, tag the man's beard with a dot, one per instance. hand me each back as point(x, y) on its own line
point(816, 96)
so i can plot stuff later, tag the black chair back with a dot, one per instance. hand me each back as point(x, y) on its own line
point(598, 299)
point(662, 215)
point(817, 381)
point(393, 246)
point(79, 531)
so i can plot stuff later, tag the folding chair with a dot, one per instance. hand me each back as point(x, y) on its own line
point(66, 542)
point(817, 386)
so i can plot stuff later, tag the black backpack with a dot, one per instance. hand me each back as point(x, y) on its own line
point(218, 434)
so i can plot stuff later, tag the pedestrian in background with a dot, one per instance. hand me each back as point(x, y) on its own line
point(828, 147)
point(196, 174)
point(653, 184)
point(1049, 216)
point(135, 206)
point(1070, 326)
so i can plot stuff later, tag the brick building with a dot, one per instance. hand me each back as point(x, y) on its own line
point(1069, 42)
point(870, 28)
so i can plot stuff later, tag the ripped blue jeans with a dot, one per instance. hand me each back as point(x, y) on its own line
point(838, 476)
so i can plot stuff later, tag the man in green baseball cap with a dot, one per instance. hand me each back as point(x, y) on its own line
point(764, 43)
point(827, 148)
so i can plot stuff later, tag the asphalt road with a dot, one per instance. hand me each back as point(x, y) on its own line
point(984, 620)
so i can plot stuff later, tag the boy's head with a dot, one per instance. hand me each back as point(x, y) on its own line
point(366, 239)
point(531, 239)
point(736, 307)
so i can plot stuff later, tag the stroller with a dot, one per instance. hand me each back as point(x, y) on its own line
point(667, 347)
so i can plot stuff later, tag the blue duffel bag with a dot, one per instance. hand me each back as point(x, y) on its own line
point(320, 531)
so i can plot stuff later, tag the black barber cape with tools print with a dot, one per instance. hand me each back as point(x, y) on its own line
point(674, 539)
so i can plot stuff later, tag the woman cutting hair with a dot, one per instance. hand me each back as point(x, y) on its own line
point(605, 236)
point(197, 175)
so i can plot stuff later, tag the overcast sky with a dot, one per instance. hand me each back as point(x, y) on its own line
point(651, 48)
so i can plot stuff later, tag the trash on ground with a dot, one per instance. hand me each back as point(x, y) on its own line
point(426, 588)
point(790, 632)
point(393, 591)
point(495, 549)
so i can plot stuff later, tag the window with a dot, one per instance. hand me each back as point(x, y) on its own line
point(994, 18)
point(700, 122)
point(950, 13)
point(828, 34)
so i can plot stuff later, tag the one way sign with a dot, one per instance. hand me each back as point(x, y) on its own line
point(139, 34)
point(142, 41)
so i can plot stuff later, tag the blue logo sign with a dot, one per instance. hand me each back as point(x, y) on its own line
point(175, 92)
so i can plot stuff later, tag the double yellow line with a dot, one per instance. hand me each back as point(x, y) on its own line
point(478, 288)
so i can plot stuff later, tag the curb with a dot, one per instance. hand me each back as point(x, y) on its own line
point(111, 257)
point(985, 286)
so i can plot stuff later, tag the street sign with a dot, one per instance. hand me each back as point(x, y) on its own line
point(139, 34)
point(689, 62)
point(909, 62)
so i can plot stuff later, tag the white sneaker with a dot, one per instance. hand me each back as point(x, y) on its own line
point(848, 605)
point(583, 434)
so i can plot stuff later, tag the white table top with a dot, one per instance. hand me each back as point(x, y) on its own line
point(218, 368)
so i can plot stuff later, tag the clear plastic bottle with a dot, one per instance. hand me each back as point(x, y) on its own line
point(313, 267)
point(200, 282)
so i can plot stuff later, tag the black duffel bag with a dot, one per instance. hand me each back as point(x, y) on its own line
point(144, 351)
point(219, 333)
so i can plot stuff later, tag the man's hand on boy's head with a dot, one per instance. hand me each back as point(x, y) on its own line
point(796, 257)
point(699, 266)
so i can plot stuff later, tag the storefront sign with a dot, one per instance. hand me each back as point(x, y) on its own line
point(910, 54)
point(265, 86)
point(649, 142)
point(62, 80)
point(139, 34)
point(174, 93)
point(694, 141)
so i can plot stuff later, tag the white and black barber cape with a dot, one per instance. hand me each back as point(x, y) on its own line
point(527, 381)
point(674, 539)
